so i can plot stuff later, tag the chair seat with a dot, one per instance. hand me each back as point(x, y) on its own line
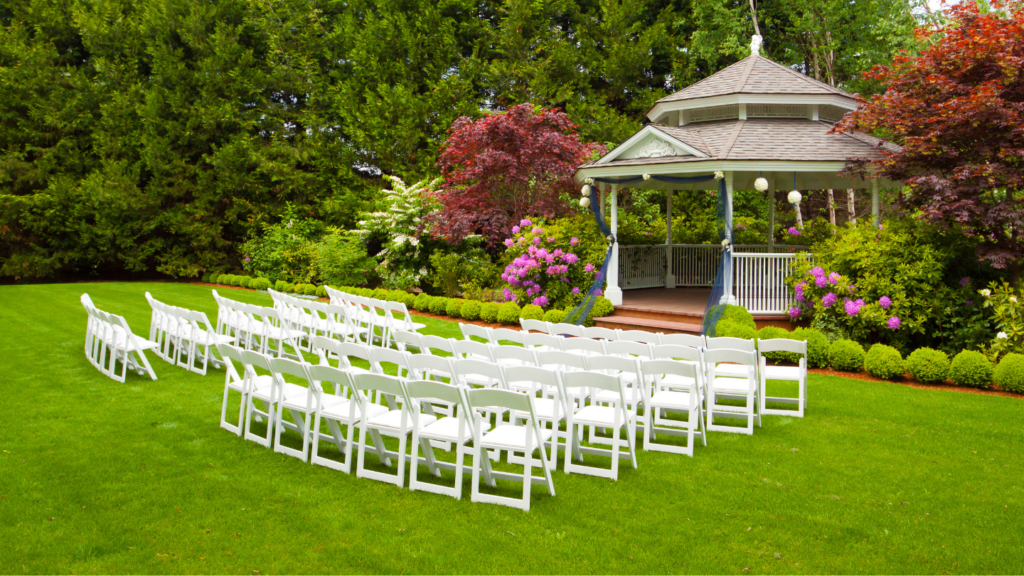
point(392, 420)
point(603, 416)
point(119, 340)
point(545, 408)
point(289, 392)
point(783, 373)
point(612, 396)
point(731, 385)
point(336, 408)
point(670, 399)
point(677, 381)
point(733, 370)
point(509, 437)
point(212, 339)
point(407, 326)
point(445, 429)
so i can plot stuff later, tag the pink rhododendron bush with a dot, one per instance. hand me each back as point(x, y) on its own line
point(552, 264)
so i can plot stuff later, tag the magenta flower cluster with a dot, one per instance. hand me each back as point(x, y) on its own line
point(885, 302)
point(853, 306)
point(829, 299)
point(530, 271)
point(793, 231)
point(894, 322)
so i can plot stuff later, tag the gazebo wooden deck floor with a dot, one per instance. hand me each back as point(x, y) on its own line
point(669, 310)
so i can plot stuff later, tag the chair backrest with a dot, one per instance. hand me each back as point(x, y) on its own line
point(514, 354)
point(324, 347)
point(563, 329)
point(654, 368)
point(538, 378)
point(471, 349)
point(467, 370)
point(378, 382)
point(628, 348)
point(404, 338)
point(613, 364)
point(483, 399)
point(640, 336)
point(677, 352)
point(252, 360)
point(469, 331)
point(354, 350)
point(535, 340)
point(322, 374)
point(534, 325)
point(559, 360)
point(600, 333)
point(717, 343)
point(499, 335)
point(425, 365)
point(583, 345)
point(381, 356)
point(744, 357)
point(782, 345)
point(337, 296)
point(596, 380)
point(691, 340)
point(283, 366)
point(431, 390)
point(429, 343)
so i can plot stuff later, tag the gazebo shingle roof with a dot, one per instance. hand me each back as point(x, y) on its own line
point(755, 75)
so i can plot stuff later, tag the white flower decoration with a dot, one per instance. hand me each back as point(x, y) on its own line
point(761, 184)
point(1001, 335)
point(725, 242)
point(794, 197)
point(589, 180)
point(585, 190)
point(719, 175)
point(647, 176)
point(585, 202)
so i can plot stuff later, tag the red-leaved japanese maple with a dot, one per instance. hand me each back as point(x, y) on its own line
point(957, 110)
point(505, 166)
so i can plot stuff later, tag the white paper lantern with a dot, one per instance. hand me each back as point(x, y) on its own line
point(585, 202)
point(761, 184)
point(585, 190)
point(794, 197)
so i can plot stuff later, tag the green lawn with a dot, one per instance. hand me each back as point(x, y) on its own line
point(102, 477)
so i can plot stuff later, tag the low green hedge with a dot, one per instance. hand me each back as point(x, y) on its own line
point(489, 312)
point(261, 284)
point(453, 307)
point(775, 332)
point(731, 329)
point(532, 312)
point(602, 307)
point(438, 305)
point(470, 310)
point(422, 302)
point(280, 285)
point(971, 368)
point(928, 366)
point(554, 316)
point(817, 346)
point(509, 313)
point(1009, 373)
point(884, 362)
point(846, 355)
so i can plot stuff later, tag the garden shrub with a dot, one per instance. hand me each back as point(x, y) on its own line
point(453, 307)
point(306, 289)
point(509, 313)
point(281, 286)
point(261, 283)
point(739, 315)
point(242, 281)
point(470, 310)
point(728, 328)
point(884, 362)
point(773, 332)
point(225, 279)
point(408, 298)
point(206, 277)
point(396, 296)
point(284, 250)
point(379, 294)
point(438, 304)
point(532, 312)
point(928, 366)
point(288, 288)
point(1009, 373)
point(817, 346)
point(422, 302)
point(602, 307)
point(971, 368)
point(489, 312)
point(342, 259)
point(251, 283)
point(321, 291)
point(554, 316)
point(846, 355)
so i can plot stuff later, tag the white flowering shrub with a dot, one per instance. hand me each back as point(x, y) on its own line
point(1007, 307)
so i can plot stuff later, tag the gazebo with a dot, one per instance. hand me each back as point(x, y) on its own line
point(755, 119)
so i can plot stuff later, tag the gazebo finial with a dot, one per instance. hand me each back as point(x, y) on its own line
point(755, 45)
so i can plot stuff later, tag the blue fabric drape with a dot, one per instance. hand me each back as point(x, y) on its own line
point(714, 309)
point(579, 314)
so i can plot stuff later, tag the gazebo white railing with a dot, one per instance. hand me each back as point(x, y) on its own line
point(759, 273)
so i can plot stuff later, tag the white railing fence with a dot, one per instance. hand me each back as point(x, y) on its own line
point(758, 274)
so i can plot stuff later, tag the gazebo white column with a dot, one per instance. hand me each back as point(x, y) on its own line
point(670, 277)
point(613, 292)
point(771, 213)
point(874, 202)
point(727, 296)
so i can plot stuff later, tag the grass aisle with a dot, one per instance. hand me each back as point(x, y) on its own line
point(102, 477)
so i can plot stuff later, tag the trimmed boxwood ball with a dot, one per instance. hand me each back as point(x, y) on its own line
point(489, 312)
point(971, 368)
point(1010, 373)
point(321, 291)
point(728, 328)
point(554, 316)
point(280, 286)
point(379, 294)
point(602, 307)
point(509, 313)
point(308, 289)
point(846, 355)
point(817, 346)
point(928, 366)
point(288, 287)
point(453, 307)
point(470, 310)
point(243, 281)
point(422, 302)
point(438, 304)
point(261, 284)
point(884, 362)
point(396, 296)
point(532, 312)
point(739, 315)
point(775, 332)
point(408, 298)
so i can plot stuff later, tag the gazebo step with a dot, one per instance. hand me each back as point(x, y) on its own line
point(668, 326)
point(678, 315)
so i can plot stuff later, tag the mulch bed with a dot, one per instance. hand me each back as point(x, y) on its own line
point(906, 380)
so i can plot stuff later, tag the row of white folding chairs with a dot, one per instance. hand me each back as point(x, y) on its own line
point(380, 318)
point(109, 340)
point(256, 327)
point(593, 338)
point(315, 318)
point(184, 337)
point(349, 403)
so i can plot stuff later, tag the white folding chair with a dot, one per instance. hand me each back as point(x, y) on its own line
point(730, 387)
point(535, 325)
point(584, 346)
point(691, 340)
point(473, 350)
point(550, 407)
point(668, 398)
point(796, 374)
point(394, 422)
point(432, 344)
point(470, 331)
point(615, 417)
point(478, 373)
point(508, 436)
point(396, 317)
point(343, 353)
point(499, 335)
point(513, 356)
point(232, 320)
point(299, 406)
point(268, 393)
point(343, 407)
point(404, 339)
point(730, 343)
point(266, 327)
point(383, 359)
point(600, 333)
point(563, 362)
point(340, 324)
point(109, 340)
point(240, 383)
point(542, 342)
point(640, 336)
point(563, 329)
